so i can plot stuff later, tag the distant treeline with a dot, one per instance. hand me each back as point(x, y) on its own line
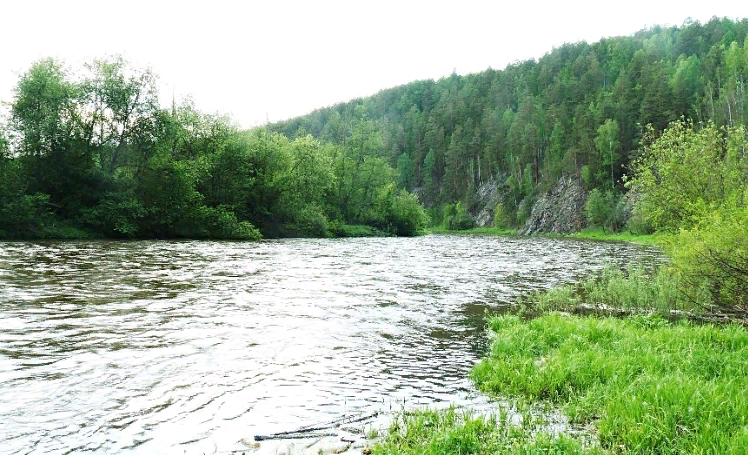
point(91, 153)
point(581, 110)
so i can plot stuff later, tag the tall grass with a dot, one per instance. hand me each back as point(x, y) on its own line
point(614, 289)
point(650, 386)
point(452, 432)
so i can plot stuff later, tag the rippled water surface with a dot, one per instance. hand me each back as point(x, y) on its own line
point(189, 347)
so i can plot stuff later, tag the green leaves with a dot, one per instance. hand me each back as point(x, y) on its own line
point(683, 174)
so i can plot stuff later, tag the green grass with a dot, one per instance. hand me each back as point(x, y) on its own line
point(589, 234)
point(649, 386)
point(359, 230)
point(474, 231)
point(642, 239)
point(452, 432)
point(614, 290)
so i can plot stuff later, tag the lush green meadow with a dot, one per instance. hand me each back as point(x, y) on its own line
point(648, 386)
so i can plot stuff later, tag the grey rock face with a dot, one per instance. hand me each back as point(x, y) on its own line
point(560, 210)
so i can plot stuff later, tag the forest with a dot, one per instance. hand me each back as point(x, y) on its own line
point(582, 110)
point(91, 153)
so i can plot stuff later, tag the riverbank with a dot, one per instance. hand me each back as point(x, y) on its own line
point(473, 231)
point(587, 234)
point(644, 384)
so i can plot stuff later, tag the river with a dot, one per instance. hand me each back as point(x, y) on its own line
point(191, 347)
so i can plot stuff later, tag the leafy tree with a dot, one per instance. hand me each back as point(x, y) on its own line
point(607, 144)
point(599, 208)
point(683, 174)
point(405, 172)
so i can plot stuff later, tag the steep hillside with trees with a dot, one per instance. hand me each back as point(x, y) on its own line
point(580, 110)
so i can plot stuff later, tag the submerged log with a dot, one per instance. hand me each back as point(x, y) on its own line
point(309, 430)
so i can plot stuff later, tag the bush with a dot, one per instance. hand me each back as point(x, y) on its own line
point(606, 210)
point(686, 173)
point(357, 230)
point(711, 260)
point(25, 216)
point(219, 223)
point(597, 209)
point(397, 213)
point(524, 210)
point(587, 176)
point(499, 218)
point(459, 219)
point(311, 222)
point(408, 217)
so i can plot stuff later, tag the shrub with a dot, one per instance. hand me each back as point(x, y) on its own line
point(499, 218)
point(597, 209)
point(408, 216)
point(711, 260)
point(524, 210)
point(460, 220)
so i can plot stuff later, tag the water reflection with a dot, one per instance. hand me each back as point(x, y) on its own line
point(162, 347)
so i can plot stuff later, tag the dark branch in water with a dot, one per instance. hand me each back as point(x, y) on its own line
point(307, 431)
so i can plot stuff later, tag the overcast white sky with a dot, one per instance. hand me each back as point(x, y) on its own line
point(279, 59)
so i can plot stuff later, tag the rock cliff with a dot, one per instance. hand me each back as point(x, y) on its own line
point(559, 210)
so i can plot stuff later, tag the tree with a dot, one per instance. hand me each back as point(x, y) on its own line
point(608, 144)
point(685, 173)
point(599, 207)
point(405, 172)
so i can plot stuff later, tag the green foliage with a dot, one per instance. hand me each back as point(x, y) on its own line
point(358, 230)
point(451, 431)
point(685, 173)
point(93, 152)
point(607, 144)
point(582, 109)
point(600, 209)
point(613, 290)
point(456, 218)
point(587, 177)
point(405, 172)
point(524, 210)
point(499, 217)
point(711, 260)
point(398, 213)
point(649, 386)
point(25, 215)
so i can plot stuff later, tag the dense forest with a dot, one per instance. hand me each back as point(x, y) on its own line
point(580, 110)
point(91, 153)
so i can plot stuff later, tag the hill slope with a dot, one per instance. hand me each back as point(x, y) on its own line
point(577, 111)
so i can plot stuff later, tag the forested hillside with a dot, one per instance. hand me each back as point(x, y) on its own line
point(90, 153)
point(580, 110)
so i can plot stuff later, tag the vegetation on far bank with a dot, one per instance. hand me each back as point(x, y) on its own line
point(582, 110)
point(91, 153)
point(472, 231)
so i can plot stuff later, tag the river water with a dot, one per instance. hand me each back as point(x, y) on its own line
point(191, 347)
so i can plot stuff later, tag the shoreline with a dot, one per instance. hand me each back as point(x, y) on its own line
point(586, 234)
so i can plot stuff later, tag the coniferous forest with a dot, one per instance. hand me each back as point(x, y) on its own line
point(581, 110)
point(90, 152)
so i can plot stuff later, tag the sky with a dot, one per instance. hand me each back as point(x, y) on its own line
point(273, 60)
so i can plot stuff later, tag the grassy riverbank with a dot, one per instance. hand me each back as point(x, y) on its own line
point(626, 236)
point(647, 386)
point(589, 234)
point(452, 432)
point(473, 231)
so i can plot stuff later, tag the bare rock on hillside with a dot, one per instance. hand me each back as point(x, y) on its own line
point(560, 210)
